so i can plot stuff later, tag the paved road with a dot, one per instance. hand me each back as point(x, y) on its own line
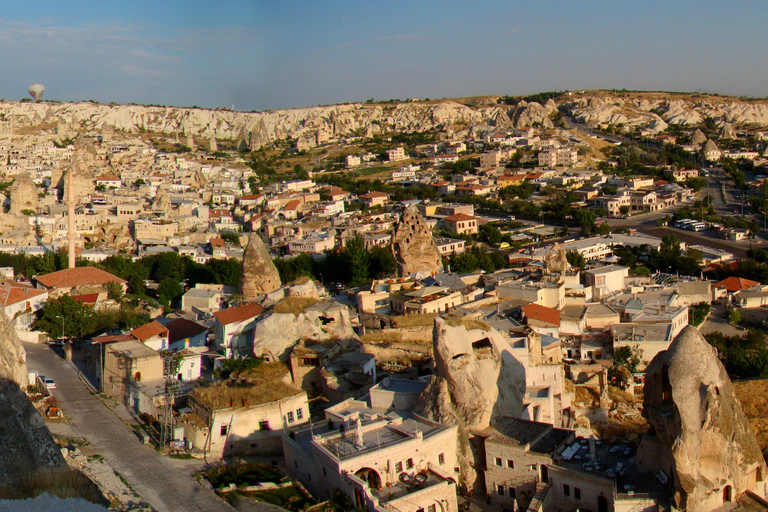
point(161, 483)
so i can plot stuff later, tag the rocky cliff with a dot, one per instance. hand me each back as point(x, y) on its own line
point(314, 125)
point(412, 245)
point(260, 275)
point(699, 437)
point(277, 333)
point(476, 383)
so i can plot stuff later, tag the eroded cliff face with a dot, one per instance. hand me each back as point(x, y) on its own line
point(700, 437)
point(314, 125)
point(413, 247)
point(260, 275)
point(476, 383)
point(13, 358)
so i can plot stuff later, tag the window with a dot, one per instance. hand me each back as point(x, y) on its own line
point(299, 414)
point(577, 493)
point(289, 417)
point(511, 492)
point(510, 464)
point(408, 463)
point(398, 467)
point(324, 472)
point(566, 490)
point(224, 430)
point(500, 490)
point(498, 461)
point(441, 459)
point(264, 425)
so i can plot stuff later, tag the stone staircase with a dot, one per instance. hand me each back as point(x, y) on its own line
point(537, 502)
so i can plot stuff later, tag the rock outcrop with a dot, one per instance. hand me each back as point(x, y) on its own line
point(698, 138)
point(23, 194)
point(728, 132)
point(698, 430)
point(162, 203)
point(476, 381)
point(260, 275)
point(277, 333)
point(13, 358)
point(556, 260)
point(413, 246)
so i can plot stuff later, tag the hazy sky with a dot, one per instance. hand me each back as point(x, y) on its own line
point(282, 53)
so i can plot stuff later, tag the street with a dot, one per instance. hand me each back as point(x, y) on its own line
point(164, 483)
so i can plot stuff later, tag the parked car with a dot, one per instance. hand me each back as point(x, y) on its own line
point(49, 383)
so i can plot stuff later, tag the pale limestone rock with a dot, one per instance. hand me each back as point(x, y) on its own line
point(23, 194)
point(477, 381)
point(13, 358)
point(698, 429)
point(413, 246)
point(728, 132)
point(260, 275)
point(277, 333)
point(556, 260)
point(698, 137)
point(162, 203)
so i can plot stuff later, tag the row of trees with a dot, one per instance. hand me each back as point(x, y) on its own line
point(353, 264)
point(67, 316)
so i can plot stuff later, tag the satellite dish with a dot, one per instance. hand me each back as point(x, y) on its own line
point(36, 91)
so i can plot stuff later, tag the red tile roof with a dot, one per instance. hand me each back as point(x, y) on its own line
point(10, 294)
point(88, 298)
point(150, 330)
point(458, 217)
point(542, 314)
point(238, 314)
point(374, 194)
point(183, 328)
point(292, 205)
point(734, 284)
point(78, 276)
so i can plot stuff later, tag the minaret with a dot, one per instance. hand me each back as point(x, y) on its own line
point(71, 217)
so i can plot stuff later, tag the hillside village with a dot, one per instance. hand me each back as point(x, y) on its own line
point(416, 306)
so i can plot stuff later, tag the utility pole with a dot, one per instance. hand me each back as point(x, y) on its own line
point(172, 390)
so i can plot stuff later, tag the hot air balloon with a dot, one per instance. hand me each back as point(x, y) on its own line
point(37, 91)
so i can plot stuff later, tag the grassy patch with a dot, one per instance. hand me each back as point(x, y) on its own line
point(294, 305)
point(469, 323)
point(180, 456)
point(258, 385)
point(287, 497)
point(426, 320)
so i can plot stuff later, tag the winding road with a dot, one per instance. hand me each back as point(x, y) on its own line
point(165, 484)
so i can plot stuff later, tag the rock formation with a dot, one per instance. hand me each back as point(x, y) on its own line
point(13, 358)
point(556, 260)
point(699, 437)
point(413, 246)
point(162, 203)
point(526, 114)
point(698, 137)
point(476, 381)
point(260, 275)
point(728, 132)
point(23, 194)
point(277, 333)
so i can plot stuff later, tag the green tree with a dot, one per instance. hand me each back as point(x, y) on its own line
point(700, 312)
point(169, 290)
point(575, 258)
point(628, 357)
point(586, 220)
point(114, 290)
point(357, 260)
point(624, 209)
point(734, 316)
point(78, 318)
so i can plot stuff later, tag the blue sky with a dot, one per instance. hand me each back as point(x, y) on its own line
point(262, 55)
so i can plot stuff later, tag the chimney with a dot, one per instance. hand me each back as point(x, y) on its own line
point(71, 217)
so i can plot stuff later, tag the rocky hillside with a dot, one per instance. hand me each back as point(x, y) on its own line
point(657, 110)
point(310, 125)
